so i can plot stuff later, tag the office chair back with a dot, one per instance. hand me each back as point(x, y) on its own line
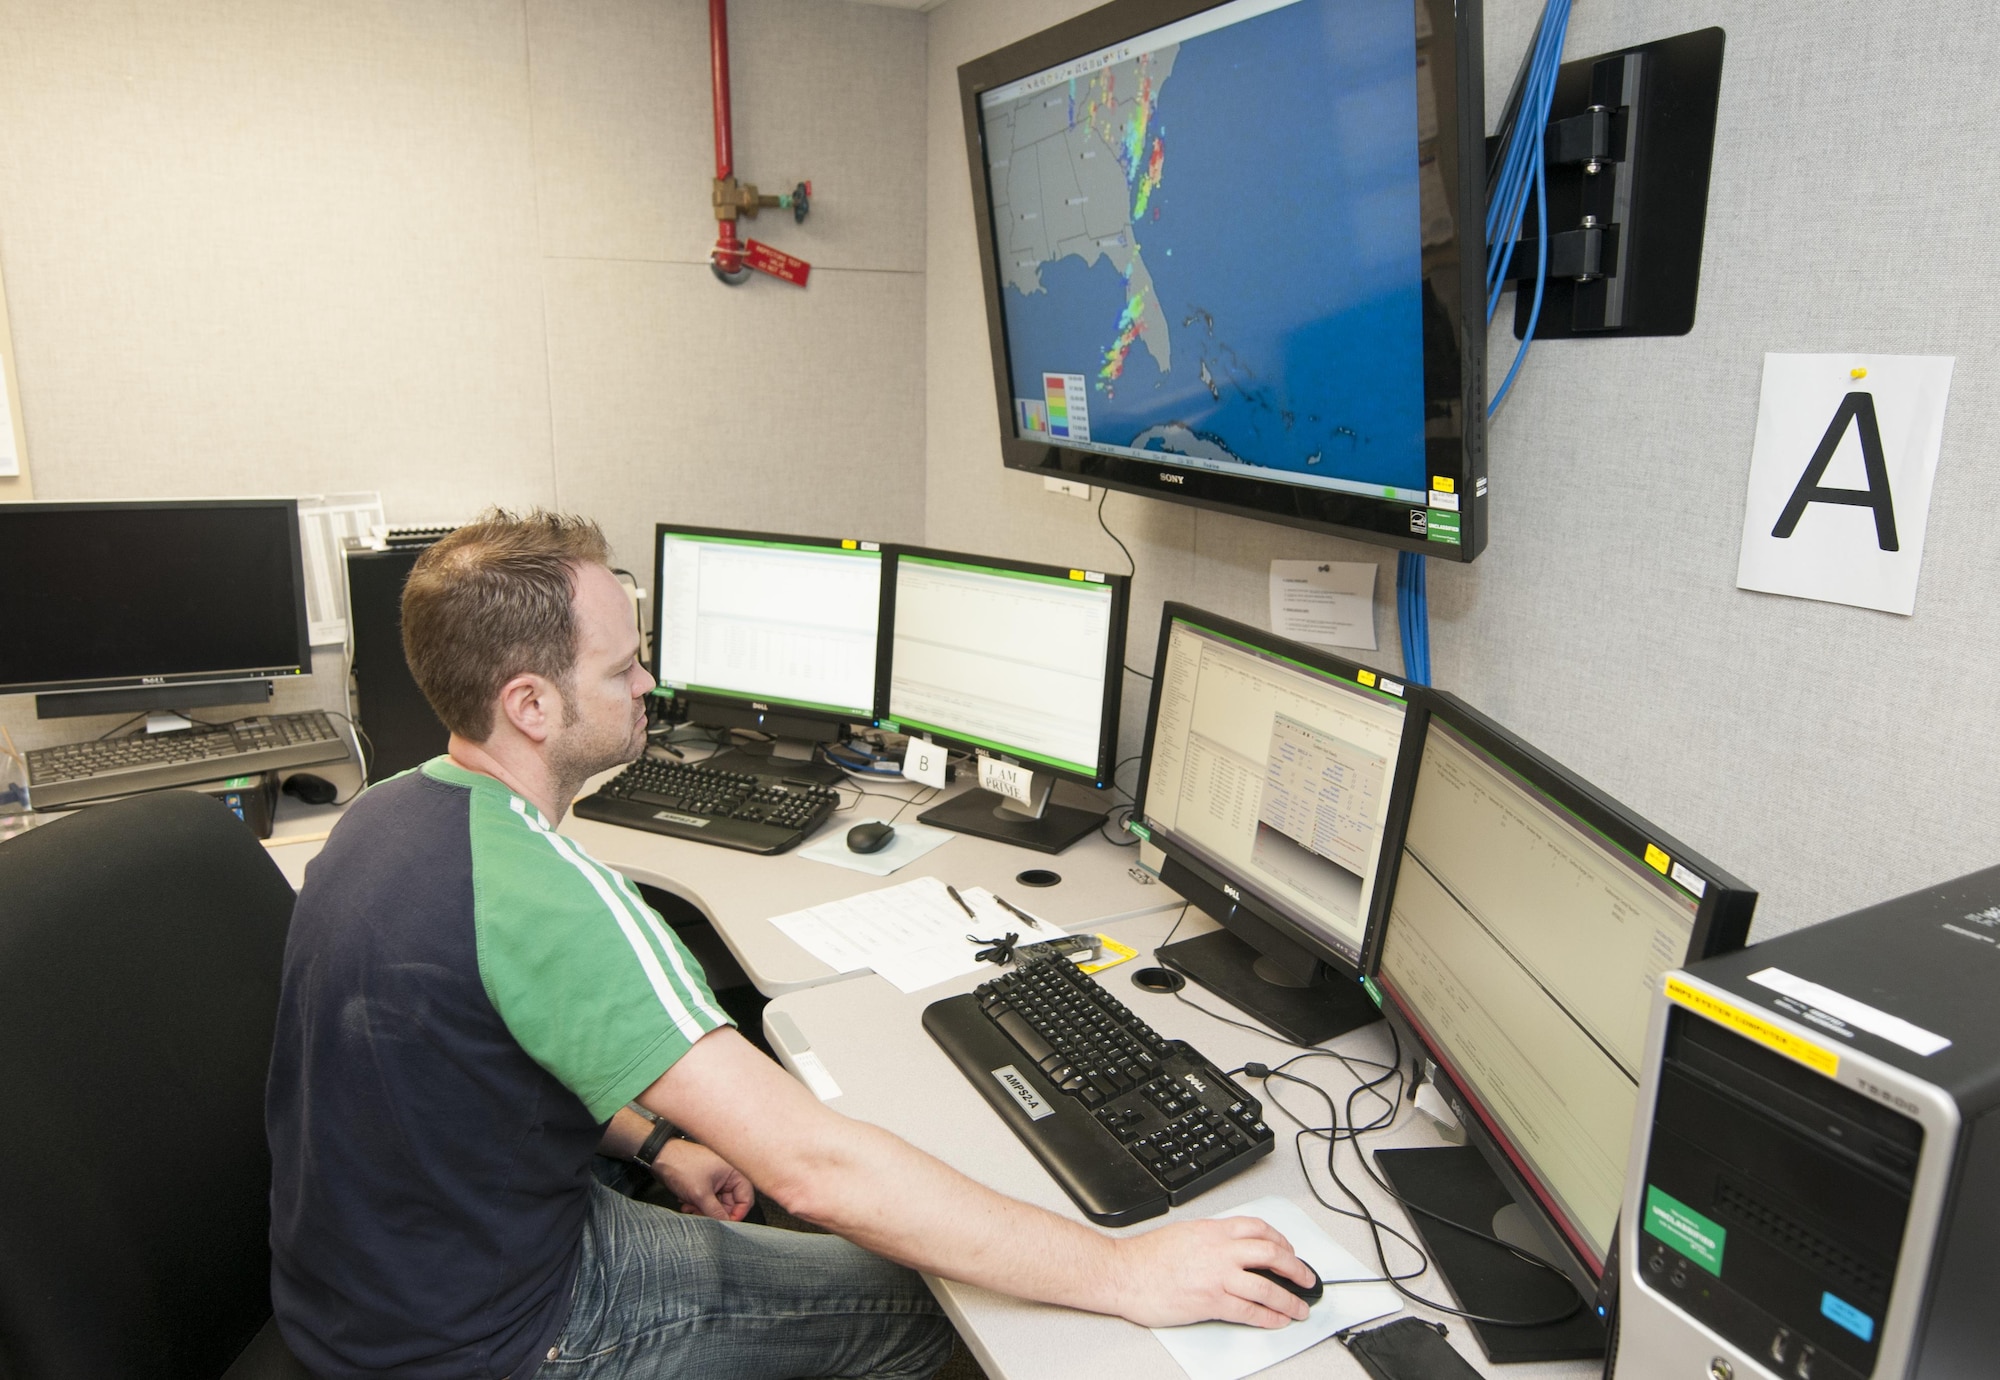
point(140, 950)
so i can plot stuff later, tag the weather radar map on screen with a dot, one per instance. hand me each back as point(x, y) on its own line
point(1209, 238)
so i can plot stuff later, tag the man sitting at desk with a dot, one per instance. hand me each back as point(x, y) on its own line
point(470, 1002)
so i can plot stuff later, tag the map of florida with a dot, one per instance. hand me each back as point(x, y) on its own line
point(1074, 171)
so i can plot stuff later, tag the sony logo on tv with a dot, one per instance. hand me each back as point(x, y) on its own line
point(1166, 478)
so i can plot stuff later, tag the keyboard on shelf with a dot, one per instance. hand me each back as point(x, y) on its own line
point(71, 773)
point(758, 814)
point(1129, 1123)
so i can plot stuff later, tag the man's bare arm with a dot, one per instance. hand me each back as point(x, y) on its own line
point(626, 1133)
point(880, 1192)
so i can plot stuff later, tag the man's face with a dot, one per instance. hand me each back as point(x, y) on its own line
point(604, 710)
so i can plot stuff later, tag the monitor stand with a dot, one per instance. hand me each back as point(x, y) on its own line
point(987, 815)
point(788, 759)
point(1455, 1182)
point(1304, 1012)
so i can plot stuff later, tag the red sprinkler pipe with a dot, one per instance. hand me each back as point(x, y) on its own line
point(728, 259)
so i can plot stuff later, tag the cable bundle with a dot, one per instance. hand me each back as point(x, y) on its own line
point(1523, 168)
point(1520, 167)
point(1413, 617)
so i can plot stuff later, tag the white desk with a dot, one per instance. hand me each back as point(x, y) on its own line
point(868, 1036)
point(740, 892)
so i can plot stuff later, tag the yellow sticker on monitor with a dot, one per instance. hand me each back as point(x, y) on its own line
point(1444, 484)
point(1076, 574)
point(1656, 859)
point(1365, 677)
point(1797, 1047)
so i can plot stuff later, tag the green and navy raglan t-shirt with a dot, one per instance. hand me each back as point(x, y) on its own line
point(467, 999)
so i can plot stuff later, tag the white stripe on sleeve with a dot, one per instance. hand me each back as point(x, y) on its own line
point(676, 1008)
point(667, 944)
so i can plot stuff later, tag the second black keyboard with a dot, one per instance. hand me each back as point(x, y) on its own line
point(1128, 1122)
point(759, 814)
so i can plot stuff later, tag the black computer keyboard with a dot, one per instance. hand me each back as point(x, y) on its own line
point(1129, 1123)
point(74, 772)
point(759, 814)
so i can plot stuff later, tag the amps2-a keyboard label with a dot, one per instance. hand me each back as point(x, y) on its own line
point(695, 820)
point(1017, 1088)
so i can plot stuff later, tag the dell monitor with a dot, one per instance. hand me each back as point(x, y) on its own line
point(773, 633)
point(129, 607)
point(1266, 781)
point(1018, 664)
point(1528, 924)
point(1233, 256)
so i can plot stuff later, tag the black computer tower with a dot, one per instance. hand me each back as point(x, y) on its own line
point(1815, 1182)
point(401, 729)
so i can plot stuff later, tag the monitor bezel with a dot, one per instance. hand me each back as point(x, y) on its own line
point(762, 704)
point(1114, 665)
point(1455, 273)
point(1249, 898)
point(222, 675)
point(1722, 925)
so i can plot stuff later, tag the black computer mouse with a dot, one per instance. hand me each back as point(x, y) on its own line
point(871, 837)
point(314, 790)
point(1309, 1294)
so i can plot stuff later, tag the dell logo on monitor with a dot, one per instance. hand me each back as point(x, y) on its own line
point(1231, 892)
point(1166, 478)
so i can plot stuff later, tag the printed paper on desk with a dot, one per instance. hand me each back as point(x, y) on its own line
point(913, 934)
point(1229, 1351)
point(1327, 603)
point(914, 969)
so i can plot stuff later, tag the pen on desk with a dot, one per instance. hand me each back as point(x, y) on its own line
point(961, 901)
point(1030, 921)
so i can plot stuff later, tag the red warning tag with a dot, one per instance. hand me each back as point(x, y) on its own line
point(776, 262)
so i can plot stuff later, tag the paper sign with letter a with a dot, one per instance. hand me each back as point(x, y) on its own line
point(1840, 478)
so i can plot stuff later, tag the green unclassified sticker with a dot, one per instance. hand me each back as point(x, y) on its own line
point(1686, 1230)
point(1441, 526)
point(1374, 992)
point(1134, 827)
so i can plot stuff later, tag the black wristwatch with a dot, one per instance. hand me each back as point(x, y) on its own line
point(663, 1131)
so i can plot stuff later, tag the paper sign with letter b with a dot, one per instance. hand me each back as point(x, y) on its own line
point(923, 762)
point(1840, 478)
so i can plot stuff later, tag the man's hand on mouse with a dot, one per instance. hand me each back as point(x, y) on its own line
point(1195, 1271)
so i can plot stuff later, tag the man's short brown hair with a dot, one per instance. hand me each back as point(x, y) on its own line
point(492, 601)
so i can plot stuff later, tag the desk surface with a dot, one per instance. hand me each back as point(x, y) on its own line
point(740, 892)
point(868, 1036)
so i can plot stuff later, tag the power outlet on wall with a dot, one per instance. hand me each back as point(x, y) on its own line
point(1066, 486)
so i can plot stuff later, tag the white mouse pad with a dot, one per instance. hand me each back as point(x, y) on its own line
point(1229, 1351)
point(910, 842)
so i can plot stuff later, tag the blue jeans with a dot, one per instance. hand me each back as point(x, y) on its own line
point(662, 1294)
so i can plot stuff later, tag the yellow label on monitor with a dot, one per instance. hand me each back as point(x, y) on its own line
point(1365, 677)
point(1444, 484)
point(1815, 1057)
point(846, 545)
point(1076, 574)
point(1656, 859)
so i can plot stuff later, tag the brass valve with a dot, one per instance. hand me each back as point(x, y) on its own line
point(733, 199)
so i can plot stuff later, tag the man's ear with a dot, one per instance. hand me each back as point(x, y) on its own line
point(532, 705)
